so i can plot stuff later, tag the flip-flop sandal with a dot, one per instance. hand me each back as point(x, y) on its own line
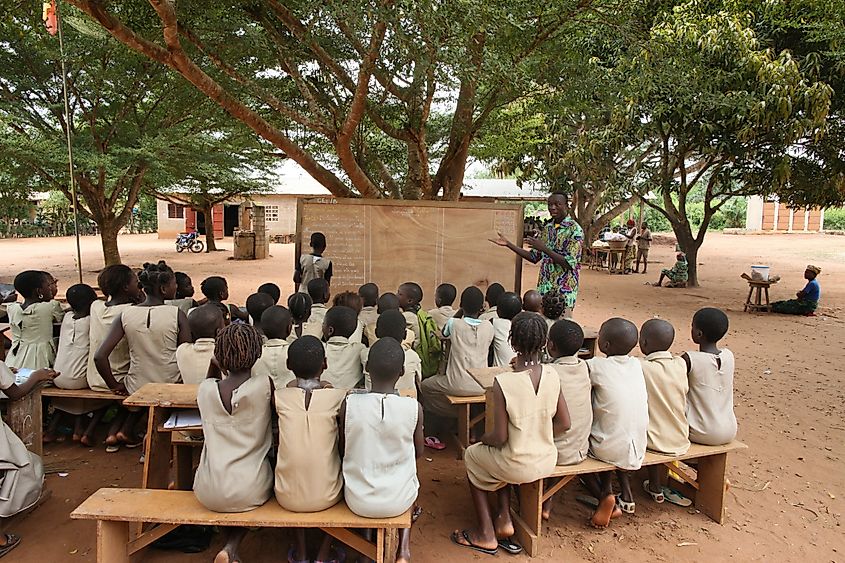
point(12, 542)
point(626, 507)
point(434, 443)
point(416, 513)
point(112, 449)
point(676, 498)
point(510, 546)
point(470, 545)
point(656, 497)
point(592, 502)
point(133, 445)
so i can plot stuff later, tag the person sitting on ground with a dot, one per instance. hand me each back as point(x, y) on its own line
point(508, 306)
point(184, 299)
point(444, 298)
point(313, 266)
point(308, 467)
point(33, 346)
point(256, 304)
point(320, 293)
point(272, 290)
point(532, 301)
point(299, 305)
point(528, 411)
point(234, 472)
point(620, 417)
point(391, 324)
point(666, 382)
point(710, 401)
point(194, 358)
point(344, 369)
point(807, 300)
point(491, 299)
point(380, 430)
point(277, 323)
point(677, 275)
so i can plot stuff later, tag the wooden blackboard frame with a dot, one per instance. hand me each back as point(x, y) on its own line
point(492, 206)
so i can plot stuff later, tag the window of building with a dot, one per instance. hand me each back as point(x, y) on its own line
point(271, 213)
point(175, 211)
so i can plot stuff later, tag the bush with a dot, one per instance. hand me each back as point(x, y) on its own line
point(834, 219)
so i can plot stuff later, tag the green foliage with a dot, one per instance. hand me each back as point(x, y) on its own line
point(834, 219)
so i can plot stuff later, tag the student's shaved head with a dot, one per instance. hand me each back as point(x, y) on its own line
point(617, 337)
point(276, 322)
point(391, 324)
point(532, 301)
point(386, 361)
point(656, 335)
point(369, 293)
point(386, 302)
point(205, 321)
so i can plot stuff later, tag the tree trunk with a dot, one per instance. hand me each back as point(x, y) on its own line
point(210, 245)
point(108, 238)
point(690, 246)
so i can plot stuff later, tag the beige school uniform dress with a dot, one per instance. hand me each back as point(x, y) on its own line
point(185, 304)
point(530, 453)
point(379, 461)
point(72, 363)
point(308, 472)
point(441, 315)
point(710, 403)
point(312, 267)
point(33, 346)
point(667, 386)
point(358, 335)
point(102, 318)
point(344, 369)
point(368, 315)
point(503, 353)
point(152, 334)
point(21, 472)
point(574, 444)
point(489, 314)
point(407, 384)
point(620, 411)
point(470, 342)
point(193, 360)
point(412, 323)
point(234, 473)
point(273, 363)
point(314, 325)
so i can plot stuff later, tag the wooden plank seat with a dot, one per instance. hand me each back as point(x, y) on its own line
point(115, 509)
point(706, 486)
point(466, 420)
point(55, 392)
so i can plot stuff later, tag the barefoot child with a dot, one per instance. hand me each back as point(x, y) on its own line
point(491, 298)
point(277, 323)
point(620, 416)
point(313, 266)
point(710, 402)
point(528, 410)
point(391, 324)
point(666, 382)
point(444, 298)
point(32, 321)
point(234, 473)
point(381, 437)
point(343, 358)
point(308, 471)
point(508, 306)
point(194, 358)
point(320, 294)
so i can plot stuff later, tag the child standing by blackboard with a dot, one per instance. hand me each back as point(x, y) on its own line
point(313, 266)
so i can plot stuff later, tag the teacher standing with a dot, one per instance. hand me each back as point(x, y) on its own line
point(557, 249)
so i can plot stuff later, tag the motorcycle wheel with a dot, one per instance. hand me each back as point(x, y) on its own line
point(179, 247)
point(197, 247)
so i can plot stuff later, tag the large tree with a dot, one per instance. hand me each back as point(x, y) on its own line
point(372, 97)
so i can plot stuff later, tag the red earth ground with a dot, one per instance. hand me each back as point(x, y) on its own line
point(788, 495)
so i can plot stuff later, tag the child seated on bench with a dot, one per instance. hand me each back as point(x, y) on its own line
point(509, 306)
point(387, 302)
point(444, 298)
point(277, 323)
point(216, 290)
point(528, 410)
point(491, 298)
point(72, 365)
point(532, 302)
point(369, 309)
point(308, 473)
point(553, 308)
point(184, 299)
point(194, 358)
point(410, 296)
point(710, 402)
point(666, 382)
point(353, 301)
point(320, 293)
point(343, 358)
point(299, 305)
point(272, 290)
point(381, 437)
point(32, 321)
point(256, 304)
point(620, 417)
point(234, 473)
point(391, 324)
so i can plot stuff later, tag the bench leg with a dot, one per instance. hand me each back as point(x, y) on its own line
point(391, 544)
point(184, 462)
point(360, 544)
point(463, 429)
point(112, 541)
point(156, 452)
point(25, 420)
point(528, 522)
point(710, 498)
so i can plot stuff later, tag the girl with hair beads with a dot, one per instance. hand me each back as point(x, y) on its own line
point(32, 321)
point(553, 308)
point(299, 305)
point(528, 411)
point(234, 473)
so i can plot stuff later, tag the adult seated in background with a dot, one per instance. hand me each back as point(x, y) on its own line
point(677, 275)
point(807, 299)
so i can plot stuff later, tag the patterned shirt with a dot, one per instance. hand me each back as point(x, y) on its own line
point(566, 239)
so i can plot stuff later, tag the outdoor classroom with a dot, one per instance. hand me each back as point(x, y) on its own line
point(312, 282)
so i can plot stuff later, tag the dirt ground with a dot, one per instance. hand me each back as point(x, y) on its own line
point(787, 502)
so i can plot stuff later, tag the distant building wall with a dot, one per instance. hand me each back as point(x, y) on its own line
point(771, 215)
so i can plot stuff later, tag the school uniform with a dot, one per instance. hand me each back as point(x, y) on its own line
point(311, 267)
point(358, 335)
point(31, 331)
point(441, 315)
point(314, 325)
point(308, 469)
point(710, 402)
point(503, 353)
point(273, 363)
point(490, 314)
point(72, 363)
point(193, 360)
point(529, 453)
point(620, 411)
point(379, 461)
point(370, 332)
point(412, 323)
point(368, 316)
point(470, 342)
point(102, 318)
point(574, 444)
point(234, 473)
point(411, 376)
point(343, 360)
point(185, 304)
point(667, 386)
point(152, 333)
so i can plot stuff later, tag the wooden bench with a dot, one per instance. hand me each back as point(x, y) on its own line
point(466, 420)
point(115, 509)
point(705, 486)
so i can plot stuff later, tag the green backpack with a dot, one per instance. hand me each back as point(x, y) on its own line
point(430, 349)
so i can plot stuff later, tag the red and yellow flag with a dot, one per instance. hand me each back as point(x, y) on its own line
point(48, 14)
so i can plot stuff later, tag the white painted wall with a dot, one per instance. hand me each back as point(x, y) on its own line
point(754, 214)
point(167, 228)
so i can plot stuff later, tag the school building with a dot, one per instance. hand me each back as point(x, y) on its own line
point(771, 215)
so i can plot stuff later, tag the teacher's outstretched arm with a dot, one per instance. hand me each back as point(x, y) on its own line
point(526, 254)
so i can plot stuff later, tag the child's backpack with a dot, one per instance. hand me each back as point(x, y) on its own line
point(430, 349)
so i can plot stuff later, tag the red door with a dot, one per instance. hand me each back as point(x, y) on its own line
point(217, 220)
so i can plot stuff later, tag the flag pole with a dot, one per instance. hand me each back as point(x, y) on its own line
point(68, 122)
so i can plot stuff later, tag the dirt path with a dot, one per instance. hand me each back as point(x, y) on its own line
point(786, 503)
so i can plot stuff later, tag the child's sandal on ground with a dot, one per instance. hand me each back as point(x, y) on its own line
point(676, 498)
point(12, 542)
point(469, 544)
point(510, 546)
point(656, 497)
point(626, 507)
point(434, 443)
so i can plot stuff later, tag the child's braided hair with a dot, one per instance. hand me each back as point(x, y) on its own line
point(299, 305)
point(153, 276)
point(553, 306)
point(238, 347)
point(528, 333)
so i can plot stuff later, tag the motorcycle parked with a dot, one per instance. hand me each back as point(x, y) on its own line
point(189, 241)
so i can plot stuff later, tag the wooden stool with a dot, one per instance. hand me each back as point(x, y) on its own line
point(757, 303)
